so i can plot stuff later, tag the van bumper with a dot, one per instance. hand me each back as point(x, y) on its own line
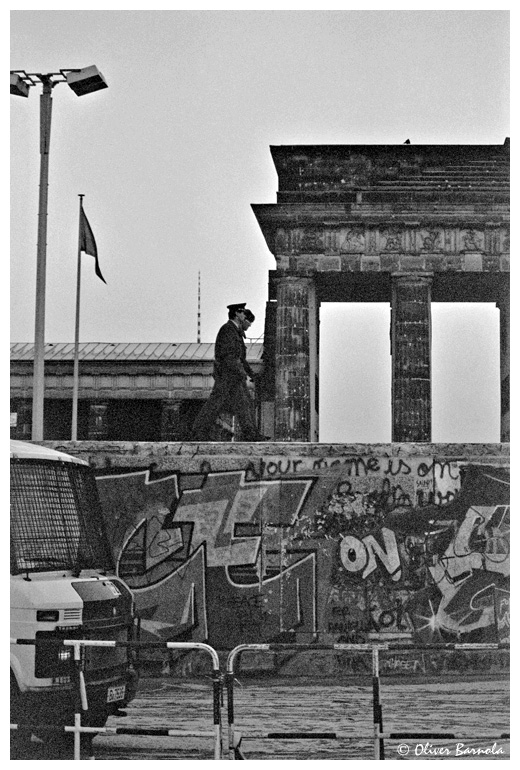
point(56, 706)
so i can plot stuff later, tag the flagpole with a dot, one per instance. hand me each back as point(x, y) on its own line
point(75, 380)
point(198, 313)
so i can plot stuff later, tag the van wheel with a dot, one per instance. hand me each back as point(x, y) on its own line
point(21, 747)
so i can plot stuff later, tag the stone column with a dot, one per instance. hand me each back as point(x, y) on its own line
point(503, 306)
point(170, 421)
point(295, 390)
point(411, 358)
point(97, 422)
point(314, 365)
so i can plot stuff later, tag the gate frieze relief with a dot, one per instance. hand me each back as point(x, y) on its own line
point(314, 244)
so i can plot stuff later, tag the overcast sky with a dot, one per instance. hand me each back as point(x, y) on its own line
point(172, 155)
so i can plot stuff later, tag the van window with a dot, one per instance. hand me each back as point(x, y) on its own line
point(56, 520)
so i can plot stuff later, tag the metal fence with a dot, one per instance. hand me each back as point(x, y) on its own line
point(224, 683)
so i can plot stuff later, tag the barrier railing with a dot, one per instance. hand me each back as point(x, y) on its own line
point(379, 735)
point(81, 697)
point(234, 748)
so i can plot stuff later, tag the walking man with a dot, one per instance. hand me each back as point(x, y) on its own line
point(231, 370)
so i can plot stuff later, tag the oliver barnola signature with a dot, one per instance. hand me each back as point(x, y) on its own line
point(456, 750)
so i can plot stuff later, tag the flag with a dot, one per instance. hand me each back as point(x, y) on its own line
point(87, 242)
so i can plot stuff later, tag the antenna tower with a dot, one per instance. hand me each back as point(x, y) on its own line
point(198, 312)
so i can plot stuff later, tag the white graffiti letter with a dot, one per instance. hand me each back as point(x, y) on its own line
point(389, 555)
point(353, 554)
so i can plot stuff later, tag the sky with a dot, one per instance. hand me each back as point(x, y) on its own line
point(172, 155)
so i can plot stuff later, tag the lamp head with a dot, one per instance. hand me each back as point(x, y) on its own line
point(18, 85)
point(86, 80)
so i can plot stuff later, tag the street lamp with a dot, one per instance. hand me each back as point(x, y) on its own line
point(81, 81)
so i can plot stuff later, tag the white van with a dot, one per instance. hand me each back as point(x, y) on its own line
point(63, 586)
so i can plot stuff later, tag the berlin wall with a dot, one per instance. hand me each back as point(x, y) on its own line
point(237, 543)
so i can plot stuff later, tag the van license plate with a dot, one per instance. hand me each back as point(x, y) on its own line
point(116, 693)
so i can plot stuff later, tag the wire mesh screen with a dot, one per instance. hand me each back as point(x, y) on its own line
point(56, 519)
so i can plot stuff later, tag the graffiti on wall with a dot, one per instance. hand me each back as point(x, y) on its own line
point(299, 548)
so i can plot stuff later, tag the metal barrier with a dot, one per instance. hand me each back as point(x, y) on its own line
point(379, 735)
point(234, 737)
point(81, 699)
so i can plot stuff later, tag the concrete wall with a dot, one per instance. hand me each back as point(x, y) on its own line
point(235, 543)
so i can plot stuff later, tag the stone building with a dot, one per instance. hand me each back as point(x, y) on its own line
point(403, 224)
point(127, 391)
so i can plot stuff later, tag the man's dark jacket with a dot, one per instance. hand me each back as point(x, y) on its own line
point(230, 355)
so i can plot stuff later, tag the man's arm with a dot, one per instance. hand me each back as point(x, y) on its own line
point(228, 352)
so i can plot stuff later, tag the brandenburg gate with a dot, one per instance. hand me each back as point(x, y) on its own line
point(402, 224)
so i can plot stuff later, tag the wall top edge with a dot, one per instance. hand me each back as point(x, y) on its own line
point(141, 450)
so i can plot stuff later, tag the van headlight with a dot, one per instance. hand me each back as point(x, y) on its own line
point(64, 654)
point(51, 660)
point(47, 616)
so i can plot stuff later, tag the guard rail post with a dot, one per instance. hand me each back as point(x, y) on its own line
point(217, 688)
point(80, 697)
point(379, 744)
point(234, 751)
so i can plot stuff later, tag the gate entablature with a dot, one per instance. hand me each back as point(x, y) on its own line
point(403, 224)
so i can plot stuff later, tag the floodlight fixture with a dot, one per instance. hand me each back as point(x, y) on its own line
point(86, 80)
point(19, 87)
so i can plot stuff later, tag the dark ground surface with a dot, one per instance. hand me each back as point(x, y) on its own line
point(467, 707)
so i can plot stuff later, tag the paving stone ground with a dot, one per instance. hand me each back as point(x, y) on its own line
point(467, 707)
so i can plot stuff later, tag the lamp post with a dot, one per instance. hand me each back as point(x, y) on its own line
point(81, 81)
